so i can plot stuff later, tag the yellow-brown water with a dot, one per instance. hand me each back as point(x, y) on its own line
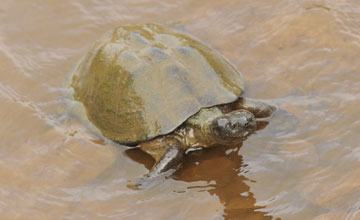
point(302, 56)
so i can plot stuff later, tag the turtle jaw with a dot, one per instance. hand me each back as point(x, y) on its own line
point(233, 126)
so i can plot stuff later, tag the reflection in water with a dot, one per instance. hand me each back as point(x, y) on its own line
point(221, 168)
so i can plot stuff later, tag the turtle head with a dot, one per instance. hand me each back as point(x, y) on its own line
point(233, 126)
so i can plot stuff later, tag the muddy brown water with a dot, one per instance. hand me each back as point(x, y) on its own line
point(303, 56)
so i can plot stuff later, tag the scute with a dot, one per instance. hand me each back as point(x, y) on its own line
point(141, 81)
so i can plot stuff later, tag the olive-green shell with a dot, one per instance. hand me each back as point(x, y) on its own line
point(141, 81)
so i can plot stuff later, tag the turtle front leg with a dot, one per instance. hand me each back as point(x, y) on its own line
point(258, 108)
point(167, 152)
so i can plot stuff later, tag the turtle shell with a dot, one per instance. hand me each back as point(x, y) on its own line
point(141, 81)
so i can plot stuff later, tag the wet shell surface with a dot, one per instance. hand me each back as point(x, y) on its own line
point(141, 81)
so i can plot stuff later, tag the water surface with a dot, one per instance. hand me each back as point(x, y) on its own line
point(302, 56)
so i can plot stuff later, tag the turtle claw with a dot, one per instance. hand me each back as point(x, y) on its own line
point(142, 183)
point(148, 181)
point(145, 182)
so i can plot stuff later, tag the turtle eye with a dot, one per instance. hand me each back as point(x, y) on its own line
point(232, 125)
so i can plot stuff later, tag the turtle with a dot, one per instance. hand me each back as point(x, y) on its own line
point(162, 90)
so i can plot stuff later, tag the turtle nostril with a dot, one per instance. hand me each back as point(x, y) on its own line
point(246, 124)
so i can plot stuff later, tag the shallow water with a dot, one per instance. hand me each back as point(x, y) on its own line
point(302, 56)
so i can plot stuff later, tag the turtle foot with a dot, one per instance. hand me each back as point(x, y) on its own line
point(165, 165)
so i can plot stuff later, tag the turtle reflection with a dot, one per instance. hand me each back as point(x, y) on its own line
point(220, 167)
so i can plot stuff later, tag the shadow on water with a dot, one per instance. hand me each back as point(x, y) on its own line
point(221, 168)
